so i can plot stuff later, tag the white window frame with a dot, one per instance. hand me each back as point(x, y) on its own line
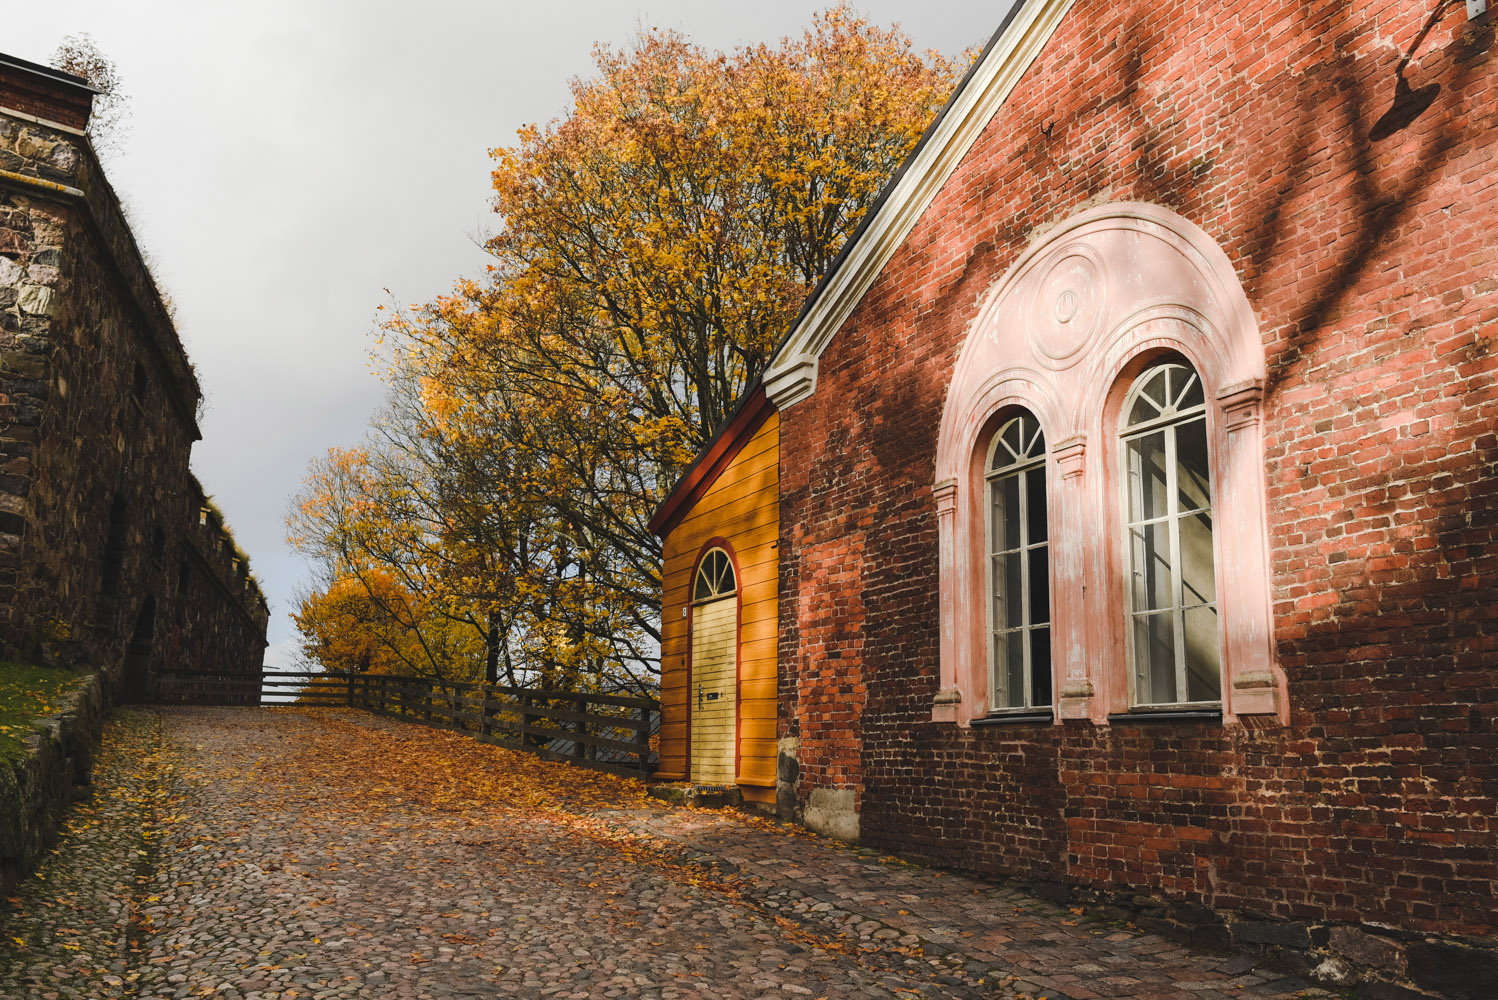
point(715, 581)
point(1169, 421)
point(1018, 469)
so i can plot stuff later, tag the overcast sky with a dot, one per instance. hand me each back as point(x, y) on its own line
point(289, 160)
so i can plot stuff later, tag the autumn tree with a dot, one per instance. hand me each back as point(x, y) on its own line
point(353, 625)
point(655, 245)
point(78, 55)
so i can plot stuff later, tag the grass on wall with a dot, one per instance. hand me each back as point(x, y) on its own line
point(27, 694)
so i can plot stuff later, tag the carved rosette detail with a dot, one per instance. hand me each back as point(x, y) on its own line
point(1069, 305)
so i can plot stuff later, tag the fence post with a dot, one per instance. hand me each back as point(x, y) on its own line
point(350, 689)
point(452, 706)
point(580, 727)
point(525, 719)
point(484, 693)
point(642, 735)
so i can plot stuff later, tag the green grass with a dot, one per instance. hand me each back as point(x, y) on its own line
point(27, 694)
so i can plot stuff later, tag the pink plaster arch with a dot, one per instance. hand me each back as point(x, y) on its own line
point(1086, 303)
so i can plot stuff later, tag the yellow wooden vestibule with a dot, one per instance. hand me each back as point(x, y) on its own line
point(720, 532)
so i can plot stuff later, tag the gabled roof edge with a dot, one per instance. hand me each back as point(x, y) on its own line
point(50, 72)
point(792, 373)
point(753, 410)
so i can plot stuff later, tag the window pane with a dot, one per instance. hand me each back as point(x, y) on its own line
point(1147, 489)
point(1203, 677)
point(1006, 520)
point(1193, 394)
point(1005, 644)
point(1198, 583)
point(1154, 659)
point(1040, 666)
point(1035, 501)
point(1151, 399)
point(1012, 437)
point(1192, 474)
point(1008, 600)
point(1014, 668)
point(1151, 566)
point(1040, 586)
point(1036, 443)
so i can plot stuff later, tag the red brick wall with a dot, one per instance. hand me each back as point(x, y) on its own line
point(39, 94)
point(1369, 251)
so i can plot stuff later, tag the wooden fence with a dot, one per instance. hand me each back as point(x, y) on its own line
point(205, 689)
point(607, 732)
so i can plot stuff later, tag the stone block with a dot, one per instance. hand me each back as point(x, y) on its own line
point(831, 811)
point(715, 796)
point(1285, 935)
point(1213, 936)
point(675, 795)
point(786, 803)
point(1368, 950)
point(1335, 971)
point(701, 796)
point(1195, 914)
point(1457, 971)
point(1053, 892)
point(1164, 926)
point(37, 300)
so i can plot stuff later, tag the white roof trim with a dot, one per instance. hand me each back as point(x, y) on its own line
point(792, 376)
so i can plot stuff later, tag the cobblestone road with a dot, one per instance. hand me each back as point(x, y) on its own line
point(286, 853)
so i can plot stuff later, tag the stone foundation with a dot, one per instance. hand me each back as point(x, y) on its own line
point(1373, 961)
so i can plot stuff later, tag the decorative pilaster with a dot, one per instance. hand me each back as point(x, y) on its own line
point(1069, 571)
point(1254, 688)
point(944, 708)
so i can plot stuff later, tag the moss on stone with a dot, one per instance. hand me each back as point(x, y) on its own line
point(28, 693)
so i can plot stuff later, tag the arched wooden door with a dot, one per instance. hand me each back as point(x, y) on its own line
point(715, 670)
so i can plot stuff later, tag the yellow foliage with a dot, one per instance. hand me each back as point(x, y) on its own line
point(656, 243)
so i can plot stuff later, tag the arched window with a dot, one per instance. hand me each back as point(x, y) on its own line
point(1173, 633)
point(1123, 331)
point(1019, 568)
point(714, 577)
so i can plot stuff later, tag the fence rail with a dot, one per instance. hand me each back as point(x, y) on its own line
point(607, 732)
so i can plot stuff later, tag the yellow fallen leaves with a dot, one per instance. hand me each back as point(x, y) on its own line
point(28, 693)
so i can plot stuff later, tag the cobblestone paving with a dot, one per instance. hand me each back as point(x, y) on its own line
point(276, 854)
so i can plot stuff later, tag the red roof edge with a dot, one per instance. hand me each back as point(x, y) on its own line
point(720, 451)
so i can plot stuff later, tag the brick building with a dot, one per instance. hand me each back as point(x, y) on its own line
point(109, 558)
point(1138, 484)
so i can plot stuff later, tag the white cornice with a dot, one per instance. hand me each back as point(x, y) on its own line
point(792, 376)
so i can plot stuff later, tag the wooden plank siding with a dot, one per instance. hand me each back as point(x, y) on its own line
point(742, 508)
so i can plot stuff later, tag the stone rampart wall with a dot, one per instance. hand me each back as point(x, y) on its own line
point(106, 561)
